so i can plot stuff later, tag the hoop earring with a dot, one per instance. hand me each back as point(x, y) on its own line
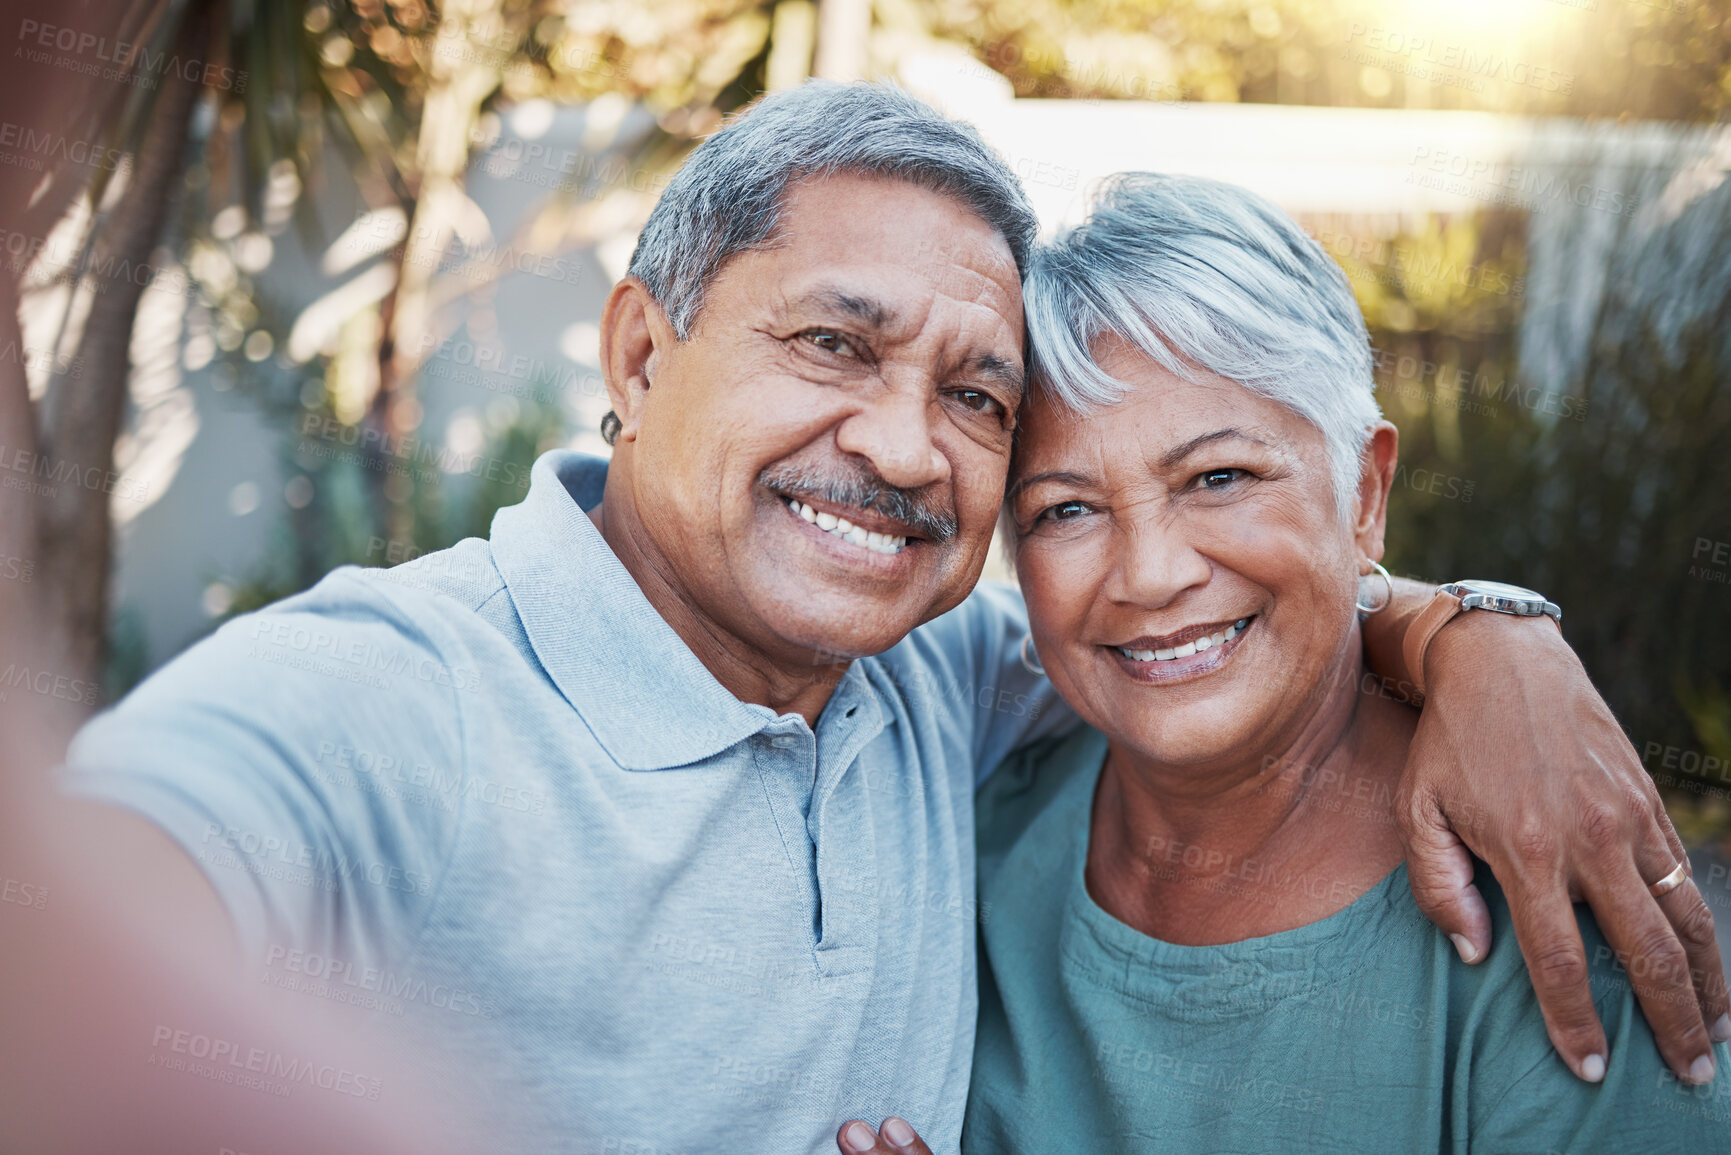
point(1031, 657)
point(1358, 603)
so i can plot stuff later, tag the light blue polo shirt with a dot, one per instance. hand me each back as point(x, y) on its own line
point(492, 793)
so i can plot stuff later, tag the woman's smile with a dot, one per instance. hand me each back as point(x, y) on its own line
point(1188, 653)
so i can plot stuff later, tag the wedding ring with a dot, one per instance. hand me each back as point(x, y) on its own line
point(1671, 881)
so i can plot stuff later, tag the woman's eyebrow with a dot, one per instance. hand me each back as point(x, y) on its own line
point(1173, 456)
point(1059, 475)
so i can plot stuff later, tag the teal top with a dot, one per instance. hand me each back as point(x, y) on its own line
point(1362, 1032)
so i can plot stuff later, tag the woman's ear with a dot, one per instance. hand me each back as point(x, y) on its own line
point(633, 332)
point(1381, 454)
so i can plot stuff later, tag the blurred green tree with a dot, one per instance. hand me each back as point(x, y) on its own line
point(399, 89)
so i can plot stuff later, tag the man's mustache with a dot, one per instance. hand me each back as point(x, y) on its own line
point(864, 490)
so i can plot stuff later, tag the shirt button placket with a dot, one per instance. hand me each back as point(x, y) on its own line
point(787, 777)
point(841, 834)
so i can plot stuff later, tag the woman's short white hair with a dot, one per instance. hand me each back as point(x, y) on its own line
point(1197, 272)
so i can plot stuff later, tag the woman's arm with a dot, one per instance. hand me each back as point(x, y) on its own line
point(1518, 760)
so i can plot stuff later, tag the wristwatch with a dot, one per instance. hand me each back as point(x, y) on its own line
point(1458, 597)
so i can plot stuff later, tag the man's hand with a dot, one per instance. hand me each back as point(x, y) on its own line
point(895, 1138)
point(1517, 759)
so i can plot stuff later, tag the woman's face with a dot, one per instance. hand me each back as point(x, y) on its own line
point(1189, 579)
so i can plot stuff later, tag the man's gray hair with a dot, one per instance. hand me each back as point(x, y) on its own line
point(728, 197)
point(1197, 272)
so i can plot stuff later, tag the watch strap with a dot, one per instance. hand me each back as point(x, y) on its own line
point(1441, 610)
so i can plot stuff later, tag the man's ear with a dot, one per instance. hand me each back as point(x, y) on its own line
point(1374, 482)
point(633, 331)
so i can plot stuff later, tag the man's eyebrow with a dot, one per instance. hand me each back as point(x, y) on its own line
point(1059, 475)
point(1173, 456)
point(868, 311)
point(1005, 372)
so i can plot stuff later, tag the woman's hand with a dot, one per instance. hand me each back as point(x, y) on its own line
point(895, 1138)
point(1517, 759)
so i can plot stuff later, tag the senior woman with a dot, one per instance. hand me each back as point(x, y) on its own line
point(1201, 935)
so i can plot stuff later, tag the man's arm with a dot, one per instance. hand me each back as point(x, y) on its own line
point(1518, 760)
point(121, 967)
point(119, 949)
point(1385, 633)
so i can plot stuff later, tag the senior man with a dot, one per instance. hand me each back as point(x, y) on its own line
point(667, 784)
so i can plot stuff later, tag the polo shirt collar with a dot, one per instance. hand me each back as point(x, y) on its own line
point(638, 687)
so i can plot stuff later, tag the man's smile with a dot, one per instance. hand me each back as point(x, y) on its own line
point(852, 528)
point(864, 542)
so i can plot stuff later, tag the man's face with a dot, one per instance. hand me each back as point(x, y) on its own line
point(865, 370)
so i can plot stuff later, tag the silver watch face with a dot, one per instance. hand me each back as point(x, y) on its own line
point(1503, 598)
point(1497, 590)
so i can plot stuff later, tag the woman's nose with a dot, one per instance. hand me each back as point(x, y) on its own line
point(1154, 560)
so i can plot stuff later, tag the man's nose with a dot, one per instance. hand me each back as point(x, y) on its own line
point(896, 431)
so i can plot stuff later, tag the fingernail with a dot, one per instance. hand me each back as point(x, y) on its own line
point(897, 1132)
point(859, 1137)
point(1701, 1071)
point(1593, 1068)
point(1469, 953)
point(1721, 1032)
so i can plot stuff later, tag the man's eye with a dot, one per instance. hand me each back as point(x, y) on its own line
point(979, 401)
point(830, 342)
point(1063, 511)
point(1218, 478)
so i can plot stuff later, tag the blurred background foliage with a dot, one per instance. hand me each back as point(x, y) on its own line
point(1649, 59)
point(407, 94)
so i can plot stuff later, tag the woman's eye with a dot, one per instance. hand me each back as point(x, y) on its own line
point(830, 342)
point(1063, 511)
point(979, 401)
point(1218, 478)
